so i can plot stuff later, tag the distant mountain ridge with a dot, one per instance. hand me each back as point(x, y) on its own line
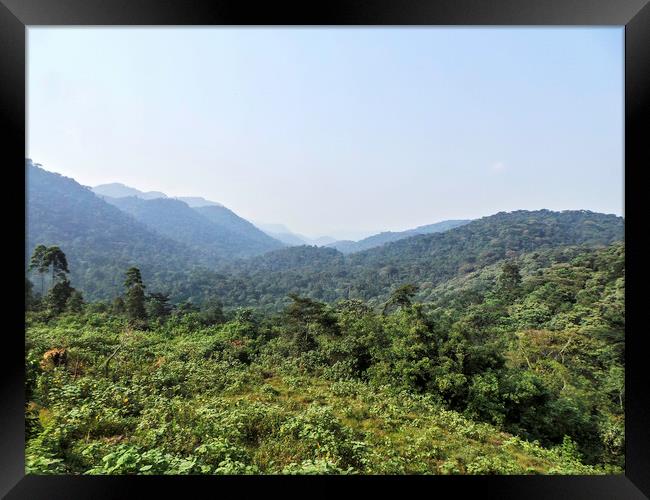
point(197, 201)
point(119, 190)
point(279, 232)
point(376, 240)
point(284, 234)
point(229, 220)
point(214, 232)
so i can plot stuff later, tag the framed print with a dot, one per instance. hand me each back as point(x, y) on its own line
point(351, 244)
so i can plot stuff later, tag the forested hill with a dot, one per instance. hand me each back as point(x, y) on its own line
point(255, 240)
point(326, 274)
point(99, 240)
point(214, 233)
point(390, 236)
point(424, 260)
point(487, 240)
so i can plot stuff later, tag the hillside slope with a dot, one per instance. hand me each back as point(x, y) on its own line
point(213, 239)
point(175, 245)
point(437, 257)
point(100, 241)
point(256, 240)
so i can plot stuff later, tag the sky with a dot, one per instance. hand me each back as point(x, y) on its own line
point(336, 131)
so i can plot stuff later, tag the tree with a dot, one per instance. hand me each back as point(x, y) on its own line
point(212, 312)
point(57, 298)
point(305, 310)
point(118, 306)
point(402, 297)
point(186, 307)
point(45, 258)
point(75, 302)
point(133, 277)
point(42, 259)
point(306, 317)
point(135, 299)
point(158, 305)
point(55, 258)
point(40, 264)
point(509, 281)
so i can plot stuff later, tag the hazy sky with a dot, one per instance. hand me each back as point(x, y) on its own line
point(338, 131)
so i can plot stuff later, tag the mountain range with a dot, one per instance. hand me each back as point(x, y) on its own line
point(376, 240)
point(425, 260)
point(115, 193)
point(213, 231)
point(286, 235)
point(196, 252)
point(119, 190)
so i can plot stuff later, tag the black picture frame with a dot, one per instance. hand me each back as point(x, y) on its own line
point(16, 15)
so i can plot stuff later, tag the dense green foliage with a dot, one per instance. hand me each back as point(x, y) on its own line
point(514, 368)
point(425, 260)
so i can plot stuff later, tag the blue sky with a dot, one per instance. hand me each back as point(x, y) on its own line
point(337, 131)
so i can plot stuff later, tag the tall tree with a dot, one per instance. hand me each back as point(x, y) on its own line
point(55, 258)
point(43, 259)
point(40, 264)
point(135, 299)
point(307, 318)
point(158, 305)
